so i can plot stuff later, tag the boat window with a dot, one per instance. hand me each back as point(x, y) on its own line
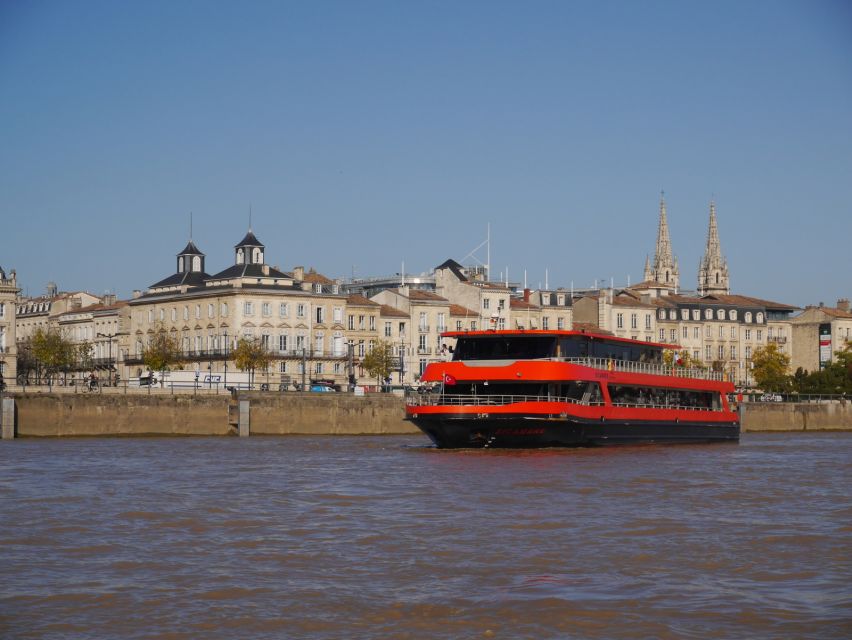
point(636, 396)
point(505, 348)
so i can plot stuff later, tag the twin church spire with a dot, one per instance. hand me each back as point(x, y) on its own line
point(713, 275)
point(665, 269)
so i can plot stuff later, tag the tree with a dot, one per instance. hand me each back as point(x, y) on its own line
point(835, 377)
point(52, 351)
point(379, 362)
point(770, 368)
point(162, 352)
point(250, 355)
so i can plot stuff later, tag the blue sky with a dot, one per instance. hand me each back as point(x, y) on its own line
point(365, 134)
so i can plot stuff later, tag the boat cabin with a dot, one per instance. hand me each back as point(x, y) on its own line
point(558, 345)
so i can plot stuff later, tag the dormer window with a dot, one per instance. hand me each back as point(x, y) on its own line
point(317, 287)
point(240, 256)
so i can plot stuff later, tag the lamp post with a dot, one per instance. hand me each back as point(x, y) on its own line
point(225, 383)
point(109, 336)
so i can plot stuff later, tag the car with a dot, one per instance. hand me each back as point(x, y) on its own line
point(771, 397)
point(322, 388)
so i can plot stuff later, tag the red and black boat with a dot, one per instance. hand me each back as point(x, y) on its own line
point(538, 388)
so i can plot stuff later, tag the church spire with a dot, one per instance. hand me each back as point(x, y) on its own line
point(713, 269)
point(665, 270)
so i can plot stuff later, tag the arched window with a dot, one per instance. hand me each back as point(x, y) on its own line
point(748, 316)
point(759, 318)
point(733, 314)
point(196, 263)
point(240, 256)
point(720, 314)
point(696, 314)
point(662, 314)
point(708, 314)
point(180, 264)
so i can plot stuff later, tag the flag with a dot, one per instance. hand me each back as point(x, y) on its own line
point(449, 379)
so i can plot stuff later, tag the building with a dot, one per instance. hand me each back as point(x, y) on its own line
point(664, 271)
point(8, 330)
point(428, 315)
point(624, 313)
point(460, 286)
point(298, 317)
point(96, 330)
point(819, 332)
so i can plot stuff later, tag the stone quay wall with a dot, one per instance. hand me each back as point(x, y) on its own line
point(164, 414)
point(58, 414)
point(790, 416)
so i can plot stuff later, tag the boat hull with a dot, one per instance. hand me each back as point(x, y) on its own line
point(527, 432)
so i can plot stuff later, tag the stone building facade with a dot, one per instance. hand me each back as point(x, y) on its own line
point(819, 332)
point(8, 330)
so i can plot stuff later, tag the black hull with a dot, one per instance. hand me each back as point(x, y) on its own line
point(525, 432)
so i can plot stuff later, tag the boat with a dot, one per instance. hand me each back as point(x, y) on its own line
point(529, 388)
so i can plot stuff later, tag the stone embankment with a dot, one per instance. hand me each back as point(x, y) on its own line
point(164, 414)
point(187, 414)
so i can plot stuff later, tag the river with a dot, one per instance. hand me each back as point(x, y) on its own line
point(386, 537)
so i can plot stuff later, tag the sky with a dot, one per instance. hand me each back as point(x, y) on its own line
point(367, 135)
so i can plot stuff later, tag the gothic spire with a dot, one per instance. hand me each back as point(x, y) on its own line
point(665, 268)
point(713, 269)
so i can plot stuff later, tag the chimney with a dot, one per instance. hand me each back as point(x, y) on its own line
point(109, 299)
point(265, 269)
point(526, 295)
point(843, 304)
point(137, 293)
point(298, 273)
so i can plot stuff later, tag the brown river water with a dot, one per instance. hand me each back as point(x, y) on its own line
point(386, 537)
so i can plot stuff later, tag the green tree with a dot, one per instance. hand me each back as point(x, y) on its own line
point(250, 355)
point(836, 377)
point(770, 368)
point(161, 353)
point(52, 351)
point(379, 362)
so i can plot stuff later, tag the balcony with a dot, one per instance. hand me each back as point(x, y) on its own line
point(777, 339)
point(424, 351)
point(423, 328)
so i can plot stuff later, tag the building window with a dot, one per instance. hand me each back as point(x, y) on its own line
point(647, 321)
point(708, 314)
point(634, 321)
point(684, 314)
point(174, 314)
point(351, 322)
point(759, 318)
point(560, 323)
point(759, 335)
point(266, 309)
point(748, 334)
point(282, 343)
point(545, 323)
point(486, 303)
point(748, 316)
point(248, 308)
point(318, 367)
point(372, 323)
point(721, 352)
point(673, 336)
point(733, 333)
point(198, 312)
point(696, 315)
point(661, 314)
point(685, 332)
point(442, 322)
point(662, 335)
point(733, 353)
point(283, 310)
point(748, 353)
point(150, 315)
point(672, 315)
point(708, 331)
point(320, 315)
point(338, 314)
point(721, 331)
point(186, 312)
point(300, 310)
point(421, 344)
point(619, 320)
point(210, 310)
point(224, 312)
point(423, 326)
point(282, 366)
point(732, 314)
point(388, 329)
point(696, 332)
point(708, 353)
point(458, 325)
point(501, 304)
point(720, 314)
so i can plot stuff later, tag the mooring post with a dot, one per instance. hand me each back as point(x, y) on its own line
point(245, 418)
point(7, 419)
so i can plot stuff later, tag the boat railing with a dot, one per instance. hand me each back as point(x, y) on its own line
point(628, 366)
point(649, 405)
point(413, 398)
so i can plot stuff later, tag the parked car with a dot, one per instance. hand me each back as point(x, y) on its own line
point(771, 397)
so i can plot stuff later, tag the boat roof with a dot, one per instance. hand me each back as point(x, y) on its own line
point(485, 333)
